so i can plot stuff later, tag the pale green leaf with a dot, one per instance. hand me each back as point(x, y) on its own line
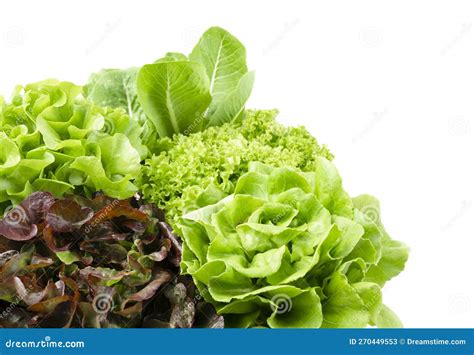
point(174, 95)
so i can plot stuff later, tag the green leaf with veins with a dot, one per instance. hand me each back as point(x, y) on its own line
point(115, 88)
point(224, 58)
point(233, 105)
point(174, 96)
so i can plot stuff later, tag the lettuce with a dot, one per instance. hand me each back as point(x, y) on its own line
point(101, 263)
point(52, 139)
point(179, 94)
point(185, 95)
point(224, 59)
point(174, 95)
point(292, 249)
point(211, 161)
point(115, 88)
point(271, 238)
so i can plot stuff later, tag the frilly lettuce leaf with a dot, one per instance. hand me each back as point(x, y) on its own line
point(52, 139)
point(101, 262)
point(189, 172)
point(112, 171)
point(291, 249)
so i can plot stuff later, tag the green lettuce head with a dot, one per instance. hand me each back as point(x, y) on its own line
point(52, 139)
point(292, 249)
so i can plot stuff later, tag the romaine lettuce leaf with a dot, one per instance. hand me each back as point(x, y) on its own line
point(174, 95)
point(224, 59)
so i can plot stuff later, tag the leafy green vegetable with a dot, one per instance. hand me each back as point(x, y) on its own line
point(174, 94)
point(271, 237)
point(115, 88)
point(177, 94)
point(224, 59)
point(181, 95)
point(223, 56)
point(102, 262)
point(232, 106)
point(291, 249)
point(53, 139)
point(189, 172)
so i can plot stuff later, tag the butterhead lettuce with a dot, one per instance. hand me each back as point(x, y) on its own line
point(292, 249)
point(52, 139)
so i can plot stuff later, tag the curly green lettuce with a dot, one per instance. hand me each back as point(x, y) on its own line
point(292, 249)
point(52, 139)
point(212, 161)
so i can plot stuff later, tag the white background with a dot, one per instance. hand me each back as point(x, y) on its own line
point(388, 86)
